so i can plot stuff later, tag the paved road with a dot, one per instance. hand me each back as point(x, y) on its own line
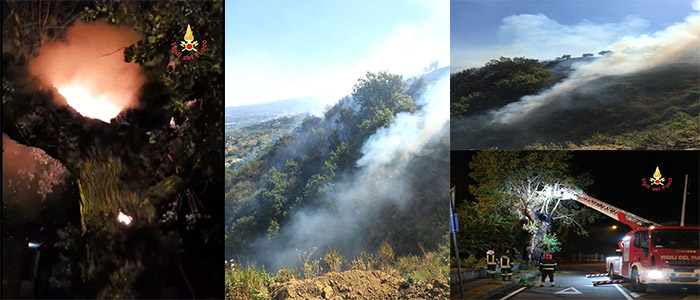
point(571, 283)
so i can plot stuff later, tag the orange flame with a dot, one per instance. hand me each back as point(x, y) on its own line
point(89, 71)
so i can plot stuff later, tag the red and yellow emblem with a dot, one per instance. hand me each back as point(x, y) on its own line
point(189, 43)
point(657, 182)
point(657, 179)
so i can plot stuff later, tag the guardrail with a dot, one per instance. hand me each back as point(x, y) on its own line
point(474, 273)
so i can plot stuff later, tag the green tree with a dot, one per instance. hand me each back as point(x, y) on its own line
point(380, 97)
point(515, 183)
point(484, 228)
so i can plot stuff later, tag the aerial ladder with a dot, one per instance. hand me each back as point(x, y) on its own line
point(559, 191)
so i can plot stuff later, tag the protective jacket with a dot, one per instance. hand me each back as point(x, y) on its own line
point(506, 262)
point(548, 265)
point(490, 259)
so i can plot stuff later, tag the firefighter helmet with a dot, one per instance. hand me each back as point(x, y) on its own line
point(490, 252)
point(548, 256)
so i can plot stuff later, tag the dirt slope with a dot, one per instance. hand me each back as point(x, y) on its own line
point(356, 285)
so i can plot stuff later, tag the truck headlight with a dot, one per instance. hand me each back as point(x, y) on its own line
point(656, 274)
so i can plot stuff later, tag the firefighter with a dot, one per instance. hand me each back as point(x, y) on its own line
point(506, 266)
point(547, 267)
point(491, 264)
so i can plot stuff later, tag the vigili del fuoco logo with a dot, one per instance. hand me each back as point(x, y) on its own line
point(189, 44)
point(657, 182)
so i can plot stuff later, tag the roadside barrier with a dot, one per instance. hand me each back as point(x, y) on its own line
point(596, 283)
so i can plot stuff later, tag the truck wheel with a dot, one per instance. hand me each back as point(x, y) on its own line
point(637, 284)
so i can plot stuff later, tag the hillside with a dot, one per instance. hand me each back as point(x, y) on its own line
point(237, 117)
point(657, 108)
point(352, 179)
point(243, 144)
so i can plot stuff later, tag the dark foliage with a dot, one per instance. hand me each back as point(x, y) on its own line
point(169, 180)
point(499, 82)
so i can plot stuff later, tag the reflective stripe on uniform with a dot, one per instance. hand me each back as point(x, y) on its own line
point(548, 266)
point(505, 262)
point(490, 259)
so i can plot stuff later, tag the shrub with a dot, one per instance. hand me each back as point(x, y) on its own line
point(332, 261)
point(246, 284)
point(467, 262)
point(362, 263)
point(310, 268)
point(526, 265)
point(409, 265)
point(432, 266)
point(385, 258)
point(551, 243)
point(286, 274)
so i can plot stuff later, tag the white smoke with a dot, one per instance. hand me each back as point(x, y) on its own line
point(384, 177)
point(677, 43)
point(392, 147)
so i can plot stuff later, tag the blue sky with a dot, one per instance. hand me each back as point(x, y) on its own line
point(487, 29)
point(285, 49)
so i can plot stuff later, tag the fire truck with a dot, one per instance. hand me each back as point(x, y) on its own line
point(651, 254)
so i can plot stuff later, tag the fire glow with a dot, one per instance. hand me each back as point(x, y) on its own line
point(89, 72)
point(123, 218)
point(83, 101)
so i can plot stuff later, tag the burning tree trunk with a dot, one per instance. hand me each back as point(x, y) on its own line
point(113, 177)
point(136, 164)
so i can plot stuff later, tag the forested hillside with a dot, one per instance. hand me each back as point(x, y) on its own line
point(512, 103)
point(346, 180)
point(243, 144)
point(499, 82)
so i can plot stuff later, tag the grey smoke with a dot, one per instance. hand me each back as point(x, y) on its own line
point(383, 180)
point(678, 43)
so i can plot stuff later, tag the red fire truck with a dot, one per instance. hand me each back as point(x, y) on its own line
point(651, 254)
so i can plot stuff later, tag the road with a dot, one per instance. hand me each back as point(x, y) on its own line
point(570, 282)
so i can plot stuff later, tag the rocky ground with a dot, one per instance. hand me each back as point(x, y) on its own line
point(356, 285)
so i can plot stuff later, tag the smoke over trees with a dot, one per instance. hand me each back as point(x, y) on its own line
point(343, 180)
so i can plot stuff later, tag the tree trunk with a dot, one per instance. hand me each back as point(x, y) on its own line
point(536, 247)
point(113, 176)
point(114, 260)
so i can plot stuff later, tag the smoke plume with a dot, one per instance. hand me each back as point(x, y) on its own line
point(678, 43)
point(89, 71)
point(394, 162)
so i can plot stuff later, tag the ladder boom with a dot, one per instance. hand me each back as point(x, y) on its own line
point(630, 219)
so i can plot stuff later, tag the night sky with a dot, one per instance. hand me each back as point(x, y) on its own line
point(617, 179)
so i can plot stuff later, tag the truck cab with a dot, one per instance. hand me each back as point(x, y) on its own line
point(658, 255)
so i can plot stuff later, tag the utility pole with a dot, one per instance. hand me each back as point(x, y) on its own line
point(454, 228)
point(685, 193)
